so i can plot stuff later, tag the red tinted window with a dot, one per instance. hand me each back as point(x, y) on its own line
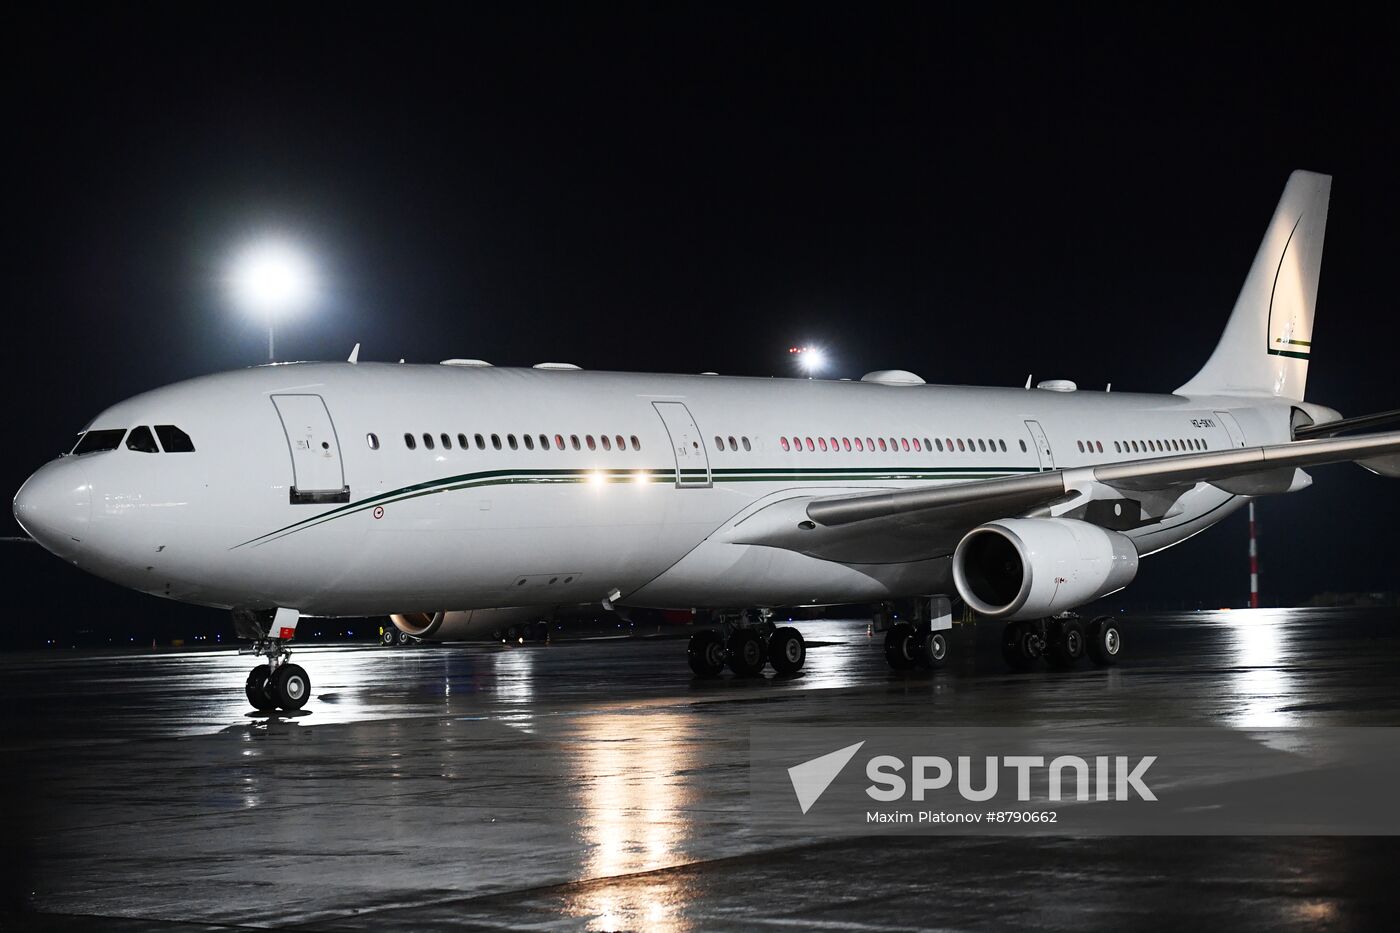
point(904, 442)
point(882, 444)
point(559, 441)
point(821, 442)
point(870, 444)
point(846, 443)
point(916, 444)
point(784, 441)
point(859, 445)
point(960, 444)
point(810, 445)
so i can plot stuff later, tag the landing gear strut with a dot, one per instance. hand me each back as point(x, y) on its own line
point(278, 684)
point(744, 643)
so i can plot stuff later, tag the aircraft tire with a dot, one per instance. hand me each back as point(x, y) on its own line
point(901, 646)
point(291, 687)
point(258, 689)
point(1021, 645)
point(744, 654)
point(1066, 643)
point(706, 653)
point(932, 650)
point(1105, 641)
point(787, 651)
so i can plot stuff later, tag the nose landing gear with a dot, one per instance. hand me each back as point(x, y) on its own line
point(278, 684)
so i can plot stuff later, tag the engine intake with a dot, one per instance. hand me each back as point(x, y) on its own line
point(1026, 568)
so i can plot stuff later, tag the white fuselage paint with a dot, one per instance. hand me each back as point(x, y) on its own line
point(462, 529)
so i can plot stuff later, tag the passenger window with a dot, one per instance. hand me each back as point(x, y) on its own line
point(846, 443)
point(835, 445)
point(732, 445)
point(961, 445)
point(410, 442)
point(1098, 445)
point(859, 445)
point(462, 442)
point(719, 442)
point(529, 442)
point(982, 445)
point(745, 442)
point(428, 441)
point(938, 442)
point(904, 442)
point(559, 441)
point(544, 442)
point(592, 445)
point(821, 442)
point(783, 442)
point(810, 445)
point(883, 445)
point(496, 441)
point(622, 444)
point(141, 439)
point(1116, 448)
point(175, 441)
point(510, 439)
point(446, 442)
point(916, 444)
point(480, 441)
point(370, 439)
point(573, 440)
point(636, 444)
point(1081, 446)
point(1003, 446)
point(1023, 447)
point(607, 444)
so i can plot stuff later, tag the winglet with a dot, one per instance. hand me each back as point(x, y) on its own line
point(354, 355)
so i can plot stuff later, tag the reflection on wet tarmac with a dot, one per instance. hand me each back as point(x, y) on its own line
point(600, 785)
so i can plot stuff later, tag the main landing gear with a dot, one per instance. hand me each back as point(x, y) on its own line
point(745, 643)
point(278, 684)
point(916, 632)
point(1061, 642)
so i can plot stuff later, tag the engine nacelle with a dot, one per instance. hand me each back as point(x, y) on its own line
point(471, 623)
point(1027, 568)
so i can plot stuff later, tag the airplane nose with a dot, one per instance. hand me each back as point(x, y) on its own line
point(55, 505)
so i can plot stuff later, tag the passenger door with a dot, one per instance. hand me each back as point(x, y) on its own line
point(692, 460)
point(317, 472)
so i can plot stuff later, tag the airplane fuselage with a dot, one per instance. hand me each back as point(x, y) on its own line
point(543, 487)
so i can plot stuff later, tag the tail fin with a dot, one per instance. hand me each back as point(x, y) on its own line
point(1267, 342)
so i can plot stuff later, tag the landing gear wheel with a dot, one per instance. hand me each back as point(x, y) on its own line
point(1065, 646)
point(745, 654)
point(291, 687)
point(1105, 641)
point(1021, 645)
point(388, 637)
point(258, 689)
point(787, 652)
point(901, 646)
point(706, 653)
point(932, 650)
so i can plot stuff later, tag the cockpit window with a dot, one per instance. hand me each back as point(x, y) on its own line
point(173, 440)
point(97, 441)
point(141, 439)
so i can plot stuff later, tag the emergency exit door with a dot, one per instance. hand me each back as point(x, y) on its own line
point(1042, 445)
point(317, 472)
point(692, 460)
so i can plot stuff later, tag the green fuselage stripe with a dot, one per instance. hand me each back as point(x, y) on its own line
point(642, 476)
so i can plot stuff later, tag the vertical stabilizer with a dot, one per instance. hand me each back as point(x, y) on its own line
point(1268, 339)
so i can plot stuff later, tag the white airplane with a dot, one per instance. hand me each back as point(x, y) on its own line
point(434, 493)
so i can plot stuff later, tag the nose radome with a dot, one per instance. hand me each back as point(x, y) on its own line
point(54, 505)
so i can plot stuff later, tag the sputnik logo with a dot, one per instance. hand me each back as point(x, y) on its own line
point(811, 778)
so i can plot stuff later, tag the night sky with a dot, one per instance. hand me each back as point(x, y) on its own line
point(678, 189)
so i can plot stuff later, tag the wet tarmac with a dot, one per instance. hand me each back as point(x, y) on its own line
point(596, 785)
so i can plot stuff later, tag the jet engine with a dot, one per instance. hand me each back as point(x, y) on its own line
point(1027, 568)
point(471, 623)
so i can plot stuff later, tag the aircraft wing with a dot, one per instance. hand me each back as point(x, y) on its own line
point(923, 522)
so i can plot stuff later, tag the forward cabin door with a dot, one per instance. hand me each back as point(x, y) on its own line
point(1042, 445)
point(692, 460)
point(317, 472)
